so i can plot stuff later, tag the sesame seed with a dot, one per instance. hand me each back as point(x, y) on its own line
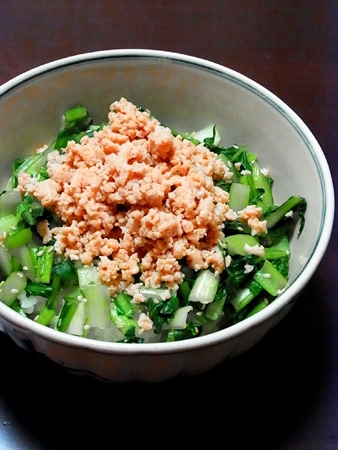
point(228, 260)
point(248, 268)
point(14, 291)
point(246, 172)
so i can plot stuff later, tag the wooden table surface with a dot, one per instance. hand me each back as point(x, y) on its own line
point(282, 394)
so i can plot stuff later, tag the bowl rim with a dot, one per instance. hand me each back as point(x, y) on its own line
point(231, 332)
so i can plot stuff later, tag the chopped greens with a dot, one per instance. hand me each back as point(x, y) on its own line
point(69, 297)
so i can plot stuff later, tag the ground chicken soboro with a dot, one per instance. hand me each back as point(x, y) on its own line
point(137, 198)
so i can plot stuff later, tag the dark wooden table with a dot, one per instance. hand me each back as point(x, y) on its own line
point(283, 394)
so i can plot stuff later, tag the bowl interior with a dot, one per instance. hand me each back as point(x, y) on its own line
point(187, 94)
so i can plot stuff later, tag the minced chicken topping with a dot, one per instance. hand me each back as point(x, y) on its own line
point(137, 199)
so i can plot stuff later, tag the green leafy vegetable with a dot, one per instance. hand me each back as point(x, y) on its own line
point(162, 311)
point(71, 298)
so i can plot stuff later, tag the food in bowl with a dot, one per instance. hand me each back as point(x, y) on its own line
point(188, 93)
point(131, 232)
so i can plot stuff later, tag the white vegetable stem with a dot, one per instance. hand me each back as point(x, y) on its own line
point(179, 321)
point(208, 132)
point(78, 320)
point(205, 287)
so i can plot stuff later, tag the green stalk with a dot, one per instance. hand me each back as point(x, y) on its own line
point(18, 238)
point(278, 214)
point(205, 287)
point(244, 297)
point(260, 181)
point(8, 224)
point(66, 314)
point(259, 307)
point(77, 323)
point(124, 306)
point(32, 164)
point(8, 202)
point(239, 195)
point(43, 258)
point(74, 114)
point(236, 243)
point(97, 305)
point(45, 316)
point(47, 313)
point(13, 285)
point(214, 309)
point(55, 290)
point(23, 255)
point(270, 279)
point(278, 250)
point(5, 261)
point(273, 253)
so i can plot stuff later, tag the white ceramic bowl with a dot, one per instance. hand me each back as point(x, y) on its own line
point(187, 93)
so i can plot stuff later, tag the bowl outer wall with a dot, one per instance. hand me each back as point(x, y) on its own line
point(190, 94)
point(126, 366)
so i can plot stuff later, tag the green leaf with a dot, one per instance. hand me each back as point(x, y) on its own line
point(162, 311)
point(29, 209)
point(191, 331)
point(130, 337)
